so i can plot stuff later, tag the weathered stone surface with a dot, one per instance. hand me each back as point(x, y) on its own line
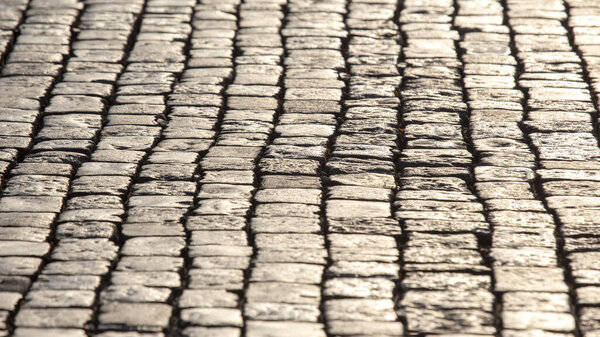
point(53, 318)
point(155, 317)
point(272, 168)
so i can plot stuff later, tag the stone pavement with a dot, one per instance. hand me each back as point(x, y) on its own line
point(299, 168)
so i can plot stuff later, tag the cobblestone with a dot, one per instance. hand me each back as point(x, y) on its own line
point(254, 168)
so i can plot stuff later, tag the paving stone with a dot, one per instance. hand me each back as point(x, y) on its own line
point(208, 299)
point(23, 248)
point(529, 279)
point(53, 318)
point(364, 269)
point(100, 169)
point(42, 204)
point(149, 263)
point(146, 278)
point(284, 225)
point(125, 315)
point(216, 279)
point(267, 240)
point(90, 249)
point(352, 209)
point(359, 193)
point(280, 312)
point(76, 268)
point(438, 300)
point(463, 321)
point(286, 209)
point(202, 331)
point(212, 317)
point(538, 257)
point(30, 332)
point(94, 201)
point(346, 328)
point(67, 282)
point(229, 177)
point(86, 230)
point(24, 234)
point(114, 185)
point(443, 281)
point(287, 272)
point(293, 329)
point(284, 181)
point(233, 238)
point(540, 302)
point(538, 320)
point(166, 188)
point(37, 185)
point(589, 321)
point(587, 295)
point(360, 309)
point(365, 226)
point(18, 284)
point(9, 300)
point(149, 246)
point(293, 255)
point(59, 298)
point(307, 196)
point(135, 294)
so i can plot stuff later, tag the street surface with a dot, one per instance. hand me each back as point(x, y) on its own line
point(299, 168)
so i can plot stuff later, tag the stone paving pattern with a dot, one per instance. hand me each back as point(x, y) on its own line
point(299, 168)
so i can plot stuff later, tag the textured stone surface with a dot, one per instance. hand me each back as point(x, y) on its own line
point(299, 168)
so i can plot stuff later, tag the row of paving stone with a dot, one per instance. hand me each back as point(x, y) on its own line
point(35, 63)
point(566, 172)
point(12, 15)
point(362, 274)
point(579, 224)
point(233, 168)
point(528, 276)
point(447, 288)
point(83, 253)
point(38, 185)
